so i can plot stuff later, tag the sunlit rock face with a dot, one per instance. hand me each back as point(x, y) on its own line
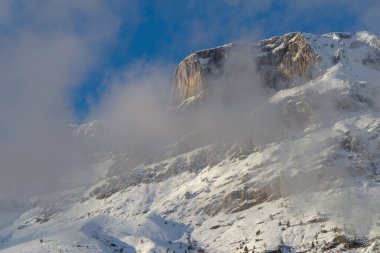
point(280, 62)
point(191, 74)
point(285, 60)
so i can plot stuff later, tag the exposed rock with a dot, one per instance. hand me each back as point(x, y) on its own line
point(373, 62)
point(106, 190)
point(285, 60)
point(194, 163)
point(339, 35)
point(297, 113)
point(246, 197)
point(191, 73)
point(280, 62)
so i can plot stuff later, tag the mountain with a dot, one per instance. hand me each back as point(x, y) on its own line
point(285, 159)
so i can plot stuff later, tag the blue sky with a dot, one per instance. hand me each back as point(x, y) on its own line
point(170, 30)
point(99, 39)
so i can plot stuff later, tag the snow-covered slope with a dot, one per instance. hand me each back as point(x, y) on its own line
point(306, 180)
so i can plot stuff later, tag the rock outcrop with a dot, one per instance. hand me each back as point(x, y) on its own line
point(285, 60)
point(191, 74)
point(280, 62)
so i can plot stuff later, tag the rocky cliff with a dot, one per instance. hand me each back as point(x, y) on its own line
point(281, 62)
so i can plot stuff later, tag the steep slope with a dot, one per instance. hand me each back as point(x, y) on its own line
point(305, 179)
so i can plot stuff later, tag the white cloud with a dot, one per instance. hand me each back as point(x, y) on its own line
point(47, 47)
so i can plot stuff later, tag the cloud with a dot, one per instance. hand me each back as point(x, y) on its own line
point(196, 25)
point(371, 19)
point(136, 105)
point(47, 47)
point(139, 119)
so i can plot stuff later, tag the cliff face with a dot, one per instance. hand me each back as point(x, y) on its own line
point(282, 61)
point(279, 61)
point(191, 74)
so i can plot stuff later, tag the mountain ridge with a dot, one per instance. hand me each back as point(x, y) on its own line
point(298, 171)
point(288, 57)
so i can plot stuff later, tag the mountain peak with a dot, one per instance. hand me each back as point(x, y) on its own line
point(287, 162)
point(279, 62)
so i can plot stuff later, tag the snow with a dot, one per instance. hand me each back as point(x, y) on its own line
point(325, 180)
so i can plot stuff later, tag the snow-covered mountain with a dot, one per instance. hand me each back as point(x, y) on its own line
point(304, 176)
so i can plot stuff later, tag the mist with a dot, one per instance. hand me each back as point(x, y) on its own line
point(49, 48)
point(138, 112)
point(43, 56)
